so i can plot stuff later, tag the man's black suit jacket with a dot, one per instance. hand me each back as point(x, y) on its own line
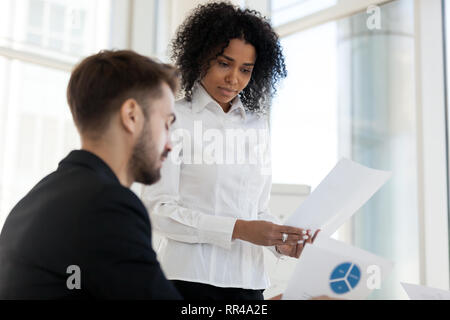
point(80, 216)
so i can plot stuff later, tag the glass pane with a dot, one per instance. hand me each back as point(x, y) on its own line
point(350, 93)
point(62, 29)
point(36, 14)
point(377, 82)
point(302, 113)
point(36, 129)
point(57, 17)
point(277, 5)
point(284, 11)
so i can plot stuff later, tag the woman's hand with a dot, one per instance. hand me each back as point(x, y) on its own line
point(295, 250)
point(265, 233)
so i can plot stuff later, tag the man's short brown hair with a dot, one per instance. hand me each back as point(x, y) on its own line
point(102, 82)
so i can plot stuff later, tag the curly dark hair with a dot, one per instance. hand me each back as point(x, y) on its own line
point(215, 24)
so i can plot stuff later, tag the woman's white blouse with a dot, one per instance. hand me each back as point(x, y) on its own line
point(217, 172)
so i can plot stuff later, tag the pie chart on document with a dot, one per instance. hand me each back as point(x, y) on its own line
point(345, 277)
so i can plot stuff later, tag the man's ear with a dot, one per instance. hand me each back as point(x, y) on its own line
point(131, 116)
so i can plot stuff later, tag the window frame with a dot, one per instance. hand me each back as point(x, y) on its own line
point(432, 144)
point(126, 15)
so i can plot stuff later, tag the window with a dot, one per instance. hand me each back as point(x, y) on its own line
point(40, 41)
point(36, 125)
point(60, 29)
point(350, 92)
point(304, 120)
point(284, 11)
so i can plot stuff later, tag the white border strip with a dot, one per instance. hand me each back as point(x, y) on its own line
point(431, 145)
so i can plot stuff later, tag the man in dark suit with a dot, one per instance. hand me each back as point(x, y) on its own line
point(81, 232)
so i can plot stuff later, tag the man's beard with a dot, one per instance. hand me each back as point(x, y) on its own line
point(144, 159)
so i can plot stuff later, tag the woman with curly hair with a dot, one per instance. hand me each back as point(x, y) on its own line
point(213, 213)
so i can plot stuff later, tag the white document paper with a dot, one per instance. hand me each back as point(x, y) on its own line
point(416, 292)
point(336, 269)
point(343, 191)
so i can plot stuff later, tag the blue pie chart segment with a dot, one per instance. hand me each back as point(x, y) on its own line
point(340, 271)
point(339, 287)
point(354, 276)
point(344, 277)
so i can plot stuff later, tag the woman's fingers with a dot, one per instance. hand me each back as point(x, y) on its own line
point(288, 235)
point(306, 236)
point(291, 239)
point(266, 233)
point(315, 235)
point(294, 244)
point(290, 250)
point(299, 250)
point(293, 230)
point(295, 237)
